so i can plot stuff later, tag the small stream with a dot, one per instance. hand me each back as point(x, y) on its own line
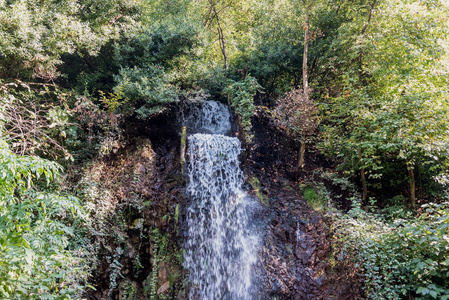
point(222, 239)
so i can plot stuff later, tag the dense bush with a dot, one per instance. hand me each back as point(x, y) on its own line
point(401, 258)
point(37, 259)
point(147, 89)
point(150, 63)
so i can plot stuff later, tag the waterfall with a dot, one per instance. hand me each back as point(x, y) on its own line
point(222, 242)
point(207, 117)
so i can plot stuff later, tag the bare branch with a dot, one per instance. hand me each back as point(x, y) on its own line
point(28, 127)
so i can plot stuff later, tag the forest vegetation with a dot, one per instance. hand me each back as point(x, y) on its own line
point(362, 84)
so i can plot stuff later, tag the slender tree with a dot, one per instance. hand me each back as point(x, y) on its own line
point(305, 80)
point(213, 17)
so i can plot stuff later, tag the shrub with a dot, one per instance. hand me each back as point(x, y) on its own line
point(298, 114)
point(402, 259)
point(36, 226)
point(148, 89)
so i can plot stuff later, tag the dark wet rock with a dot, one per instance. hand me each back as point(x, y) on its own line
point(164, 287)
point(295, 258)
point(163, 271)
point(143, 189)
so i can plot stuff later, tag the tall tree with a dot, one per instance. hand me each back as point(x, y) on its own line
point(212, 19)
point(397, 107)
point(305, 79)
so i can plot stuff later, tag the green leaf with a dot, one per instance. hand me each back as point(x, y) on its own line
point(433, 294)
point(422, 291)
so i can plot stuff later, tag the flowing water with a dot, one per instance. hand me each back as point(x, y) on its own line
point(206, 117)
point(222, 240)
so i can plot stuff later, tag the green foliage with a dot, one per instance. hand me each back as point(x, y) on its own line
point(145, 66)
point(393, 105)
point(240, 95)
point(310, 194)
point(36, 225)
point(149, 86)
point(379, 73)
point(317, 194)
point(164, 44)
point(129, 291)
point(116, 269)
point(35, 34)
point(160, 247)
point(273, 51)
point(112, 101)
point(212, 79)
point(150, 61)
point(400, 259)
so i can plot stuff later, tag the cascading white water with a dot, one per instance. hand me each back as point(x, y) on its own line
point(221, 244)
point(208, 117)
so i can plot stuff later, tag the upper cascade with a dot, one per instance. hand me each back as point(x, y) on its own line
point(207, 117)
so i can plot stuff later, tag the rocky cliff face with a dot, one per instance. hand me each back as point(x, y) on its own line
point(138, 197)
point(297, 257)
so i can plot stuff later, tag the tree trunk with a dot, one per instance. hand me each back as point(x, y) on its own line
point(183, 151)
point(302, 151)
point(362, 177)
point(305, 82)
point(221, 40)
point(305, 79)
point(412, 184)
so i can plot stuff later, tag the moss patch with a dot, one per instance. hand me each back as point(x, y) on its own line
point(312, 197)
point(255, 184)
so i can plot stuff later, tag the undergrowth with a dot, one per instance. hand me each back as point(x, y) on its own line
point(404, 255)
